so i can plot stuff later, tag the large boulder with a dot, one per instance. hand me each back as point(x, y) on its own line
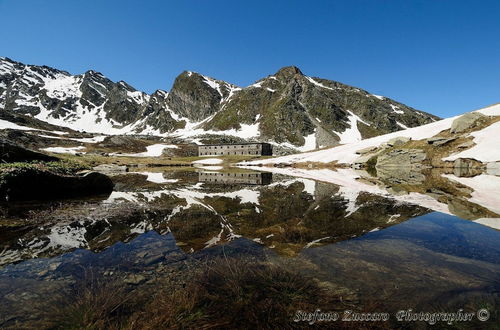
point(11, 152)
point(110, 169)
point(401, 158)
point(35, 184)
point(466, 122)
point(398, 141)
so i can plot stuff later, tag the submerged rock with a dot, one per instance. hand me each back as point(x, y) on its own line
point(134, 279)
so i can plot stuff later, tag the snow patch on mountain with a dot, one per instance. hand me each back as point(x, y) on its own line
point(351, 134)
point(154, 150)
point(347, 153)
point(395, 109)
point(311, 80)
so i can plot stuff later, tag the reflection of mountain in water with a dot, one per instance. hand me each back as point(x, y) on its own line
point(287, 216)
point(251, 178)
point(470, 196)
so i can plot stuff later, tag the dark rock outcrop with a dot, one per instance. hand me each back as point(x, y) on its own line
point(10, 152)
point(33, 184)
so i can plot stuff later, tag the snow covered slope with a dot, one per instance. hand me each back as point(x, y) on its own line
point(485, 150)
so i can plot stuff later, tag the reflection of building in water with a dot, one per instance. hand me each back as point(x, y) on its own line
point(258, 178)
point(260, 149)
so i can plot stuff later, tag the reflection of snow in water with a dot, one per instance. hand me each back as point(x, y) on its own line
point(308, 245)
point(309, 185)
point(351, 196)
point(490, 222)
point(485, 187)
point(211, 168)
point(346, 177)
point(209, 161)
point(156, 177)
point(58, 238)
point(191, 195)
point(486, 190)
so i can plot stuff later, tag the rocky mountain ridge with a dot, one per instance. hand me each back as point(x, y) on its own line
point(287, 108)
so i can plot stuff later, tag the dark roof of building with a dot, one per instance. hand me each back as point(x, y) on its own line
point(231, 144)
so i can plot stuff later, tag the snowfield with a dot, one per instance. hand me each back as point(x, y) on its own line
point(486, 148)
point(347, 153)
point(486, 189)
point(154, 150)
point(348, 178)
point(4, 124)
point(208, 161)
point(62, 150)
point(156, 177)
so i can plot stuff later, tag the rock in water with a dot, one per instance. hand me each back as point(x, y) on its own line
point(465, 122)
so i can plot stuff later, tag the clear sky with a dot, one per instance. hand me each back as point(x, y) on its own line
point(441, 56)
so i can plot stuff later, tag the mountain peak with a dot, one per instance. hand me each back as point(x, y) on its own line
point(289, 72)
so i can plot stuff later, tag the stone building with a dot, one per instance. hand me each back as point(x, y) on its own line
point(260, 149)
point(250, 178)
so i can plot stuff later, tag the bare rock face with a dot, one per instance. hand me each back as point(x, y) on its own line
point(401, 158)
point(197, 97)
point(466, 122)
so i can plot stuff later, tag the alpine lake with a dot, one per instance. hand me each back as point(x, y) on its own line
point(213, 247)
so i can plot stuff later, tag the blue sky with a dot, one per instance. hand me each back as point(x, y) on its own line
point(439, 56)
